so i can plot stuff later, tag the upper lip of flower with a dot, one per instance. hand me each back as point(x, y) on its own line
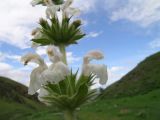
point(26, 63)
point(50, 53)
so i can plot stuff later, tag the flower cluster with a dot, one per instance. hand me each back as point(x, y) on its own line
point(43, 74)
point(58, 70)
point(56, 84)
point(57, 5)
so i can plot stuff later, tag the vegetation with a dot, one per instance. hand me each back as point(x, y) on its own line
point(142, 79)
point(65, 33)
point(140, 107)
point(143, 104)
point(14, 91)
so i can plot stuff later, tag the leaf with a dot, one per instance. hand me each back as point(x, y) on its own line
point(80, 95)
point(42, 41)
point(58, 33)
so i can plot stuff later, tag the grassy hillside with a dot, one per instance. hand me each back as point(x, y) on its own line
point(140, 107)
point(13, 91)
point(135, 97)
point(142, 79)
point(14, 100)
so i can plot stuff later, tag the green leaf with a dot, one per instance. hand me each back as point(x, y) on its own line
point(42, 41)
point(80, 95)
point(60, 33)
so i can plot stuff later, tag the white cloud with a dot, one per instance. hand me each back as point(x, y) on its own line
point(9, 71)
point(142, 12)
point(71, 58)
point(4, 56)
point(85, 5)
point(155, 43)
point(41, 50)
point(18, 17)
point(94, 34)
point(116, 68)
point(115, 73)
point(12, 72)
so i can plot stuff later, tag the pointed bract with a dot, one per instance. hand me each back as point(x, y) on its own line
point(36, 2)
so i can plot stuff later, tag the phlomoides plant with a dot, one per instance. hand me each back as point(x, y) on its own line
point(56, 84)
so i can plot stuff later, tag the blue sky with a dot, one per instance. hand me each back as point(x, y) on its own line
point(126, 31)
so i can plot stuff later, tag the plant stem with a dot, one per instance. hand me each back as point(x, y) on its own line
point(63, 51)
point(69, 115)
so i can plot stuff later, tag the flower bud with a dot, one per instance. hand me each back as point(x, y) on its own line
point(58, 2)
point(42, 21)
point(34, 31)
point(77, 23)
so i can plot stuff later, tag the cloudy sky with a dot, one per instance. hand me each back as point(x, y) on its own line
point(126, 31)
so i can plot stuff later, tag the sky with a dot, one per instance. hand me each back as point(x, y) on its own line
point(126, 31)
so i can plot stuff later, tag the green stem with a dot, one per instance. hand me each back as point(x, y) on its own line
point(69, 115)
point(63, 51)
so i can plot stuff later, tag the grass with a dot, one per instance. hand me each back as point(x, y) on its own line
point(142, 79)
point(135, 97)
point(140, 107)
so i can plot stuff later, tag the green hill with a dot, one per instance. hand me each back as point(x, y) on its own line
point(140, 107)
point(14, 100)
point(142, 79)
point(142, 83)
point(13, 91)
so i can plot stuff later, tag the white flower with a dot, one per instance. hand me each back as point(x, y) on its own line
point(67, 10)
point(54, 54)
point(56, 73)
point(99, 70)
point(35, 78)
point(94, 54)
point(58, 70)
point(51, 8)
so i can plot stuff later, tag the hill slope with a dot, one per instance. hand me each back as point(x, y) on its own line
point(142, 79)
point(14, 100)
point(142, 83)
point(13, 91)
point(140, 107)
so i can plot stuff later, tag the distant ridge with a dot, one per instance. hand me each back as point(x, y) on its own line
point(13, 91)
point(143, 78)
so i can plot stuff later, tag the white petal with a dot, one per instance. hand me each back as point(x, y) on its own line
point(32, 57)
point(67, 4)
point(103, 75)
point(54, 53)
point(57, 73)
point(35, 82)
point(51, 11)
point(43, 93)
point(94, 54)
point(72, 11)
point(99, 70)
point(62, 68)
